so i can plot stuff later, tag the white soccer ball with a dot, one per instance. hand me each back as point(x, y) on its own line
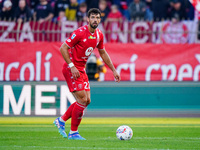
point(124, 133)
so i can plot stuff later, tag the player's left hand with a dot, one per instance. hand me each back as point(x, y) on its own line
point(75, 72)
point(117, 76)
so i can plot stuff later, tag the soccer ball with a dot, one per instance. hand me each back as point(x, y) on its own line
point(124, 133)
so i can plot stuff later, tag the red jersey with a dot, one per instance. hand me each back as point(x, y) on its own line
point(82, 43)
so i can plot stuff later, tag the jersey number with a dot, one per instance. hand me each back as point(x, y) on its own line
point(87, 86)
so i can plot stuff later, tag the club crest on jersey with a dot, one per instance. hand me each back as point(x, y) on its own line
point(91, 37)
point(89, 51)
point(73, 36)
point(80, 86)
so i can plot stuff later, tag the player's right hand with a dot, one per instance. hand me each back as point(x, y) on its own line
point(75, 72)
point(117, 76)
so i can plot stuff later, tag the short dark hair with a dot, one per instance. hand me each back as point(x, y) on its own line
point(83, 5)
point(94, 11)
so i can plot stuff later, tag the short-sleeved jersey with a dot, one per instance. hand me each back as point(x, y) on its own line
point(82, 43)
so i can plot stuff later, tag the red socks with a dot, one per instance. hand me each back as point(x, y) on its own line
point(75, 111)
point(77, 114)
point(68, 113)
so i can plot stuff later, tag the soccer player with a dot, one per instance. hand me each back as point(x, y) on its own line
point(75, 51)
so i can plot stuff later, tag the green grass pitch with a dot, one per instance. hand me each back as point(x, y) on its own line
point(148, 133)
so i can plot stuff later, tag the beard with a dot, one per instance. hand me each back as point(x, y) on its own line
point(93, 26)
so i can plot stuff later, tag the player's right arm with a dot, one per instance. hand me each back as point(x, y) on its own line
point(65, 53)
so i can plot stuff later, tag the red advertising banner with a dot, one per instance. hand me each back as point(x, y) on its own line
point(42, 61)
point(39, 61)
point(152, 62)
point(127, 32)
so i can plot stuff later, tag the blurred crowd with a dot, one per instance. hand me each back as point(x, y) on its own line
point(112, 10)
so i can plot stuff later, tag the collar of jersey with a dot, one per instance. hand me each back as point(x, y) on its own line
point(90, 32)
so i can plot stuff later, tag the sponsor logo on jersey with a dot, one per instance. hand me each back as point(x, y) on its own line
point(91, 37)
point(73, 36)
point(89, 51)
point(84, 57)
point(68, 40)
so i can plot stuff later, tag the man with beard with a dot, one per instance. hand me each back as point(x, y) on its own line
point(75, 51)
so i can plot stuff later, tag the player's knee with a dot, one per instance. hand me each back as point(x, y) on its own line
point(88, 101)
point(83, 100)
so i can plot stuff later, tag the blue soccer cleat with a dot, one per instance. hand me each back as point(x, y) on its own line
point(61, 127)
point(75, 136)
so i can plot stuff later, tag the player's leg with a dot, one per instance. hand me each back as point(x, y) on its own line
point(60, 121)
point(88, 98)
point(83, 100)
point(87, 88)
point(77, 113)
point(68, 113)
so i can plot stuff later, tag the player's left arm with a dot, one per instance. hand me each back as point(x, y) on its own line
point(106, 58)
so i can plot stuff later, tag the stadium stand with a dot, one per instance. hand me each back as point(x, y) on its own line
point(153, 21)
